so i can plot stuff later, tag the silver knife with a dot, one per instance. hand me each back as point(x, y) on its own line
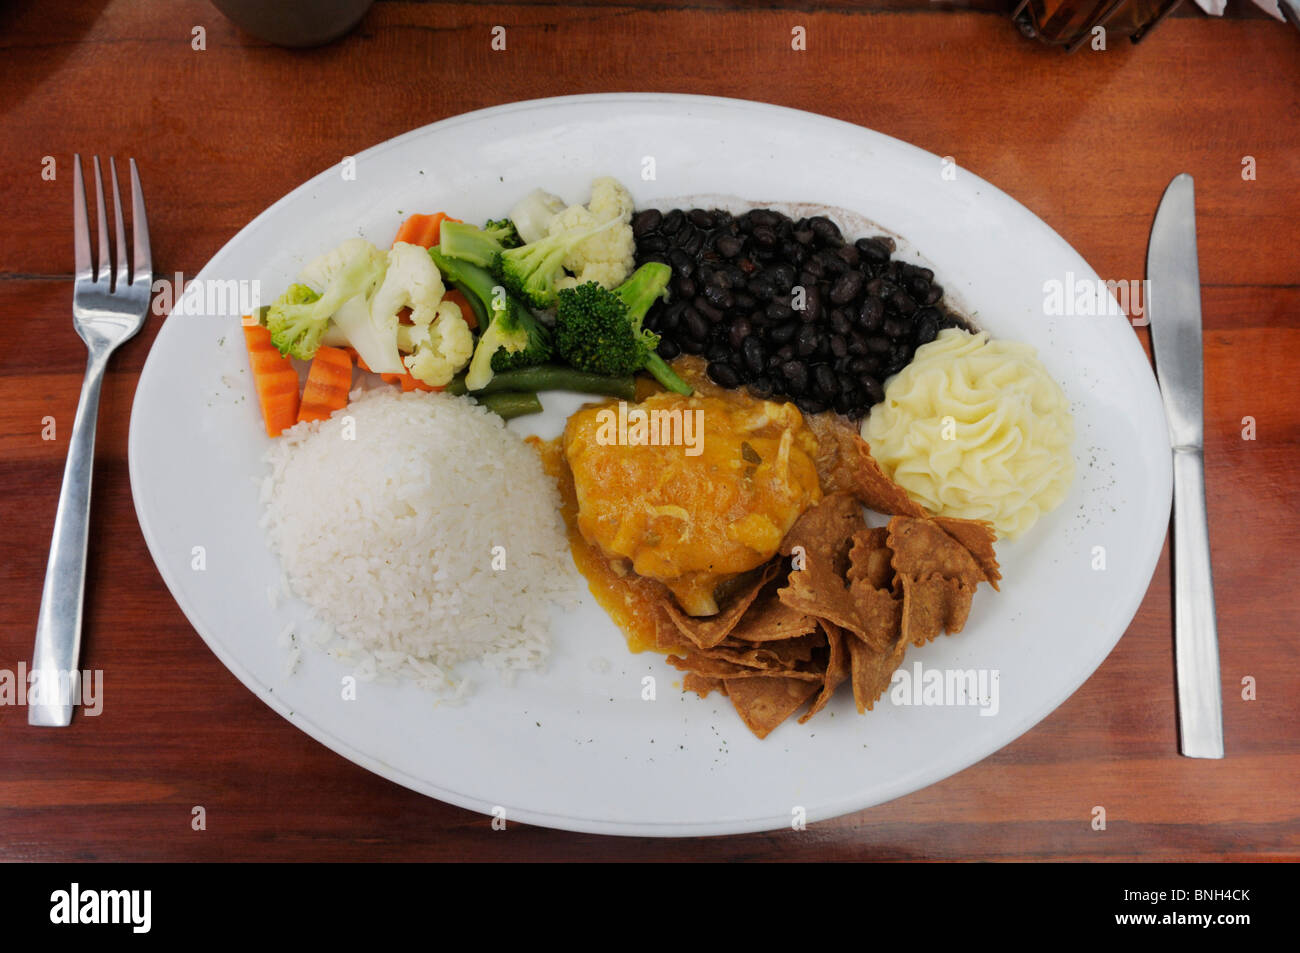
point(1174, 310)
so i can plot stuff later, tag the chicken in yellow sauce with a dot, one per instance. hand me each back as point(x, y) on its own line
point(706, 490)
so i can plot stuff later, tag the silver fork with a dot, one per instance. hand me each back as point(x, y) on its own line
point(107, 308)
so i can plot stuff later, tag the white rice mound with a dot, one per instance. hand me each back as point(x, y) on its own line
point(387, 518)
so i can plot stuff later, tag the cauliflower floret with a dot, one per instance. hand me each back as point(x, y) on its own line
point(412, 282)
point(609, 256)
point(609, 199)
point(439, 348)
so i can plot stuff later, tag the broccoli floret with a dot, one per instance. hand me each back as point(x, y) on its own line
point(297, 322)
point(510, 336)
point(600, 331)
point(503, 232)
point(530, 271)
point(466, 243)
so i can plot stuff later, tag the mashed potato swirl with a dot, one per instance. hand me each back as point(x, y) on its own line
point(976, 428)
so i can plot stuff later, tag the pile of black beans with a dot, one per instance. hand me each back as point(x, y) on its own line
point(788, 308)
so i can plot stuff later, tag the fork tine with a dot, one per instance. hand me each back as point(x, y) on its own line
point(101, 272)
point(142, 256)
point(121, 278)
point(80, 223)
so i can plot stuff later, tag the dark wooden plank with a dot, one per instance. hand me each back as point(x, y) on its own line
point(1086, 141)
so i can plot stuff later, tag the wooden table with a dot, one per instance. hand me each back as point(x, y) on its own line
point(1087, 141)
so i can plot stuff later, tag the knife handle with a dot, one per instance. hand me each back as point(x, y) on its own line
point(1196, 639)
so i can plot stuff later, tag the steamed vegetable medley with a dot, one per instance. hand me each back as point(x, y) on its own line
point(546, 299)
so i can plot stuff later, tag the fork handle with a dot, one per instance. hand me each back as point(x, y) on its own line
point(1196, 639)
point(58, 628)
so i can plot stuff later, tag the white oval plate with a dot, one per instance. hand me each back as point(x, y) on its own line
point(577, 747)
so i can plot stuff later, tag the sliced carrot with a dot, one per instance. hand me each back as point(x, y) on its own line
point(408, 382)
point(423, 230)
point(328, 383)
point(462, 302)
point(275, 379)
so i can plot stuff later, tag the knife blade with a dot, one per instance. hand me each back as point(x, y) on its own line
point(1174, 311)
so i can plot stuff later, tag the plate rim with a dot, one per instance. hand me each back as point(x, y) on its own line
point(897, 787)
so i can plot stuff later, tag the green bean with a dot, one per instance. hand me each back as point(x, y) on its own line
point(545, 377)
point(512, 404)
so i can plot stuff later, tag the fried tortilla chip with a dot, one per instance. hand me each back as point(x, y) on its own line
point(721, 668)
point(824, 534)
point(771, 620)
point(933, 605)
point(871, 670)
point(922, 548)
point(870, 614)
point(871, 558)
point(786, 654)
point(844, 463)
point(708, 631)
point(702, 685)
point(763, 703)
point(837, 668)
point(978, 536)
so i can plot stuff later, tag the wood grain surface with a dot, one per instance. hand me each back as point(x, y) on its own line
point(1087, 141)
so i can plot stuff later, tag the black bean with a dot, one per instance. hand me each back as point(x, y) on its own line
point(783, 333)
point(903, 303)
point(926, 327)
point(697, 329)
point(934, 294)
point(888, 243)
point(672, 221)
point(672, 318)
point(840, 322)
point(700, 218)
point(740, 329)
point(717, 351)
point(692, 346)
point(668, 348)
point(744, 301)
point(871, 314)
point(753, 354)
point(779, 311)
point(878, 345)
point(796, 376)
point(859, 366)
point(899, 355)
point(689, 240)
point(832, 264)
point(764, 236)
point(762, 287)
point(683, 264)
point(785, 352)
point(809, 406)
point(872, 250)
point(718, 296)
point(765, 217)
point(875, 393)
point(706, 308)
point(803, 234)
point(646, 221)
point(852, 257)
point(724, 375)
point(844, 404)
point(761, 386)
point(812, 304)
point(858, 343)
point(894, 329)
point(847, 287)
point(839, 345)
point(684, 287)
point(652, 244)
point(918, 286)
point(824, 381)
point(881, 287)
point(729, 246)
point(808, 340)
point(826, 230)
